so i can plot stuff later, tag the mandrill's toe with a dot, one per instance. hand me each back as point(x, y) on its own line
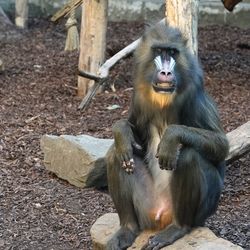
point(154, 244)
point(165, 237)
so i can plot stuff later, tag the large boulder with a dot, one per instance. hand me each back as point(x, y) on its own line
point(199, 239)
point(73, 157)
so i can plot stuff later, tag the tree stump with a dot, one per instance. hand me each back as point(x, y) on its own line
point(92, 40)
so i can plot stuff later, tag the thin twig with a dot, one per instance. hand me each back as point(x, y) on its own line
point(91, 93)
point(89, 75)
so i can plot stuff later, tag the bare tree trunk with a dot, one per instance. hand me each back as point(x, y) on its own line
point(21, 13)
point(183, 14)
point(92, 40)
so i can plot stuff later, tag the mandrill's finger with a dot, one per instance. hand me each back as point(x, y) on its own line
point(130, 164)
point(124, 165)
point(160, 160)
point(150, 245)
point(129, 170)
point(161, 166)
point(128, 156)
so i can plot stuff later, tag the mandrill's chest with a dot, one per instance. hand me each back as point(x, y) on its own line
point(156, 132)
point(146, 97)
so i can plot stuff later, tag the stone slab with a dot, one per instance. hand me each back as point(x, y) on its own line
point(200, 238)
point(72, 157)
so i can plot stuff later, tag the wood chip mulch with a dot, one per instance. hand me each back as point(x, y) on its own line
point(38, 96)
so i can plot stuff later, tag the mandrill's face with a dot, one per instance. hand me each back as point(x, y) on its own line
point(164, 78)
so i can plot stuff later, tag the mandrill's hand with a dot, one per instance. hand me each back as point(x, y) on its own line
point(169, 149)
point(124, 152)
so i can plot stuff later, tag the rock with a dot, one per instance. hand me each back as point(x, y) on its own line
point(103, 229)
point(72, 157)
point(200, 238)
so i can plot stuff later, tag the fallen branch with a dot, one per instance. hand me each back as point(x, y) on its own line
point(92, 91)
point(103, 73)
point(66, 9)
point(239, 142)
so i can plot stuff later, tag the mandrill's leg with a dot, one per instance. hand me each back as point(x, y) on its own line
point(195, 187)
point(121, 190)
point(134, 199)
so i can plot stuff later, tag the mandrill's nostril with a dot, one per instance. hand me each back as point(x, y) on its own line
point(165, 73)
point(165, 76)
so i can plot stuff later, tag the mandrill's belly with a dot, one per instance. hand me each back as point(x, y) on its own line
point(151, 196)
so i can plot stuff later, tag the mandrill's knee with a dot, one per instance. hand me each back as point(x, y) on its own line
point(188, 157)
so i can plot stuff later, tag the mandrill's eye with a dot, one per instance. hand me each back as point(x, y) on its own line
point(172, 51)
point(158, 51)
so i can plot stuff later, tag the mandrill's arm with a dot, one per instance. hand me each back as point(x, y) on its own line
point(210, 144)
point(124, 141)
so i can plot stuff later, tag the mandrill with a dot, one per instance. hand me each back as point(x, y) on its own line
point(166, 168)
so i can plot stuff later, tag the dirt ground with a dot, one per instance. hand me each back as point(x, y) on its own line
point(38, 96)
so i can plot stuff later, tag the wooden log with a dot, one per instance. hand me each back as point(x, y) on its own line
point(92, 40)
point(21, 13)
point(183, 14)
point(239, 142)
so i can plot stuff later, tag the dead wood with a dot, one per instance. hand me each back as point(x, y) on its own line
point(239, 142)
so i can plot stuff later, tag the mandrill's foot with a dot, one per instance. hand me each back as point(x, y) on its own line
point(165, 237)
point(123, 239)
